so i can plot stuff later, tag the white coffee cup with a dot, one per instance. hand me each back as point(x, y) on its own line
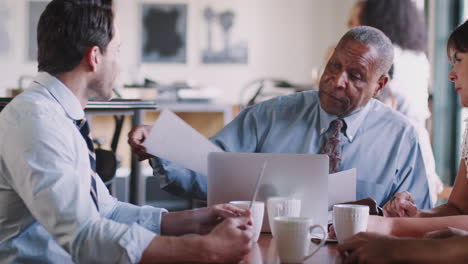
point(282, 206)
point(293, 236)
point(258, 208)
point(349, 219)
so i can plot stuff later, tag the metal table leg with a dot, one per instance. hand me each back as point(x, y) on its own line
point(137, 180)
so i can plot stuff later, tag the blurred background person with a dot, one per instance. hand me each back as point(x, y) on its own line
point(432, 236)
point(407, 92)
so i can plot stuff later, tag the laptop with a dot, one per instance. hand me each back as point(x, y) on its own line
point(232, 177)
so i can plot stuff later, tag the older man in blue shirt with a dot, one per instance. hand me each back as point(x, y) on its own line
point(342, 119)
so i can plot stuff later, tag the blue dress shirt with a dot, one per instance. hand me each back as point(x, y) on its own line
point(46, 211)
point(378, 141)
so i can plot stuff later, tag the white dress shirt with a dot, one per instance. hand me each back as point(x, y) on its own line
point(464, 146)
point(46, 211)
point(411, 82)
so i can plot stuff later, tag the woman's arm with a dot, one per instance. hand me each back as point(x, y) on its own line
point(402, 204)
point(418, 227)
point(370, 247)
point(198, 221)
point(458, 200)
point(452, 214)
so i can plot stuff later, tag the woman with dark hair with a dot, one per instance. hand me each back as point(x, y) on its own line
point(400, 20)
point(404, 24)
point(446, 246)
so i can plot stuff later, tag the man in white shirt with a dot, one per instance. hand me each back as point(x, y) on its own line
point(53, 206)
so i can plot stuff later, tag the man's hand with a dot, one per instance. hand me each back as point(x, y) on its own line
point(401, 205)
point(136, 137)
point(369, 248)
point(446, 233)
point(229, 241)
point(207, 218)
point(373, 210)
point(200, 221)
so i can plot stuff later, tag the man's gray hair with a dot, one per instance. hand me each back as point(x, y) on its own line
point(374, 38)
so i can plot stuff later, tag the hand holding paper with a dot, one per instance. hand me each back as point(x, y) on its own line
point(173, 139)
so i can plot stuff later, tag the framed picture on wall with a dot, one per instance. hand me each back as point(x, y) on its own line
point(6, 29)
point(35, 9)
point(222, 38)
point(164, 33)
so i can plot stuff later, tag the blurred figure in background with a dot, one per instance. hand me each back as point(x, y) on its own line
point(407, 92)
point(438, 235)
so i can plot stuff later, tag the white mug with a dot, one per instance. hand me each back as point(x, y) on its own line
point(293, 236)
point(282, 206)
point(258, 208)
point(349, 219)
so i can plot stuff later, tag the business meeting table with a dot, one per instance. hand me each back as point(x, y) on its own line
point(264, 252)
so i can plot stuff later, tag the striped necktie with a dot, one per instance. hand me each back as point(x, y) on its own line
point(332, 145)
point(83, 127)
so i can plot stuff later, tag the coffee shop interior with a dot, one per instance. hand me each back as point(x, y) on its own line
point(206, 60)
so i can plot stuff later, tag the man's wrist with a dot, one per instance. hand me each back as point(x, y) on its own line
point(198, 249)
point(189, 221)
point(206, 248)
point(170, 249)
point(192, 221)
point(179, 223)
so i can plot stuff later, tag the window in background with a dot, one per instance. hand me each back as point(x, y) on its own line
point(420, 4)
point(444, 16)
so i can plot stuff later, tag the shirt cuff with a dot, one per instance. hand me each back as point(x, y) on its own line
point(158, 171)
point(151, 218)
point(135, 241)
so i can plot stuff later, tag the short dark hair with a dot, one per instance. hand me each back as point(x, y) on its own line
point(400, 20)
point(68, 28)
point(458, 39)
point(375, 38)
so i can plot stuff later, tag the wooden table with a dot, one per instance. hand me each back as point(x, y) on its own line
point(264, 252)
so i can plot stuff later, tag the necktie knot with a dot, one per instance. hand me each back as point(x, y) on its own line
point(80, 122)
point(336, 125)
point(83, 126)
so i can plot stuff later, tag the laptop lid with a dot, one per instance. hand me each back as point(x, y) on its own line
point(232, 177)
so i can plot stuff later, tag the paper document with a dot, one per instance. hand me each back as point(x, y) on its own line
point(173, 139)
point(341, 187)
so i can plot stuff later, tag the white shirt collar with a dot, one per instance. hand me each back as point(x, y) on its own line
point(62, 94)
point(353, 121)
